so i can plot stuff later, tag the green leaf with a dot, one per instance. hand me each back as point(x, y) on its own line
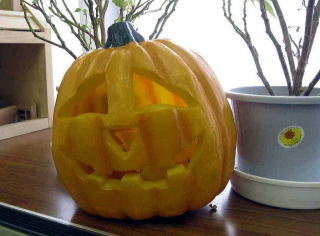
point(269, 8)
point(130, 3)
point(84, 27)
point(84, 11)
point(78, 10)
point(35, 1)
point(267, 5)
point(117, 20)
point(121, 3)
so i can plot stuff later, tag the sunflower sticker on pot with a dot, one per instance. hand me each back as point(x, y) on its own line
point(291, 136)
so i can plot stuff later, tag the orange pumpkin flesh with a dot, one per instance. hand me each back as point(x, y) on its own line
point(142, 130)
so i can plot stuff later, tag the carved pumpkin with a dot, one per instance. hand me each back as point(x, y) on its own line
point(142, 129)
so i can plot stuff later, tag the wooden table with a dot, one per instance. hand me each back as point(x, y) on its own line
point(28, 181)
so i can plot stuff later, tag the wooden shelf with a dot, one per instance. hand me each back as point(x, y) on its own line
point(10, 5)
point(21, 37)
point(23, 127)
point(25, 71)
point(13, 20)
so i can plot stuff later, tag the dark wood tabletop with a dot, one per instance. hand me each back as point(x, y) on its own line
point(28, 180)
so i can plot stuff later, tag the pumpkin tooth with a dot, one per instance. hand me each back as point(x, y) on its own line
point(121, 174)
point(186, 154)
point(152, 173)
point(124, 137)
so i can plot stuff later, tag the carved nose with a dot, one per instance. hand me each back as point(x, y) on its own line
point(124, 137)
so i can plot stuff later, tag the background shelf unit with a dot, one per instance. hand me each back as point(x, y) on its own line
point(25, 71)
point(10, 5)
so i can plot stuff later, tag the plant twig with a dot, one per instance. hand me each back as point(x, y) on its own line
point(312, 84)
point(94, 24)
point(285, 34)
point(156, 10)
point(297, 46)
point(228, 15)
point(62, 45)
point(65, 19)
point(134, 8)
point(315, 23)
point(55, 11)
point(93, 30)
point(131, 16)
point(121, 14)
point(244, 18)
point(297, 81)
point(102, 12)
point(163, 18)
point(276, 44)
point(77, 34)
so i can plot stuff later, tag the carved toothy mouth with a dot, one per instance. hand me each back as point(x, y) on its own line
point(181, 160)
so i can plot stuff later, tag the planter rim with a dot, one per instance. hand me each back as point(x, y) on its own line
point(240, 94)
point(278, 182)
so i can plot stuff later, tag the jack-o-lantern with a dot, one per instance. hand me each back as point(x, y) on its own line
point(141, 129)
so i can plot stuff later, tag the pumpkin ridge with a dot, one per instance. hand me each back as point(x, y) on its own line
point(228, 127)
point(186, 160)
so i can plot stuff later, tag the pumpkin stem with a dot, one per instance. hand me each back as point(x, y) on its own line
point(122, 33)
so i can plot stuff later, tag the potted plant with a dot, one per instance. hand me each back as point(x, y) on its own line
point(278, 152)
point(91, 33)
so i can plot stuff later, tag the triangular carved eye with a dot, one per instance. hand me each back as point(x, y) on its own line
point(91, 97)
point(95, 101)
point(148, 92)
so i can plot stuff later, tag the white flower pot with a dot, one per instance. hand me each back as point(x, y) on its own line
point(278, 136)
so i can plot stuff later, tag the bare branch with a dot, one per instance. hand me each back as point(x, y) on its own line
point(297, 46)
point(312, 84)
point(156, 10)
point(94, 24)
point(244, 18)
point(297, 81)
point(62, 45)
point(276, 44)
point(228, 15)
point(55, 11)
point(133, 9)
point(79, 36)
point(304, 4)
point(315, 23)
point(102, 12)
point(65, 19)
point(86, 2)
point(148, 2)
point(69, 11)
point(163, 18)
point(131, 16)
point(93, 30)
point(286, 37)
point(121, 15)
